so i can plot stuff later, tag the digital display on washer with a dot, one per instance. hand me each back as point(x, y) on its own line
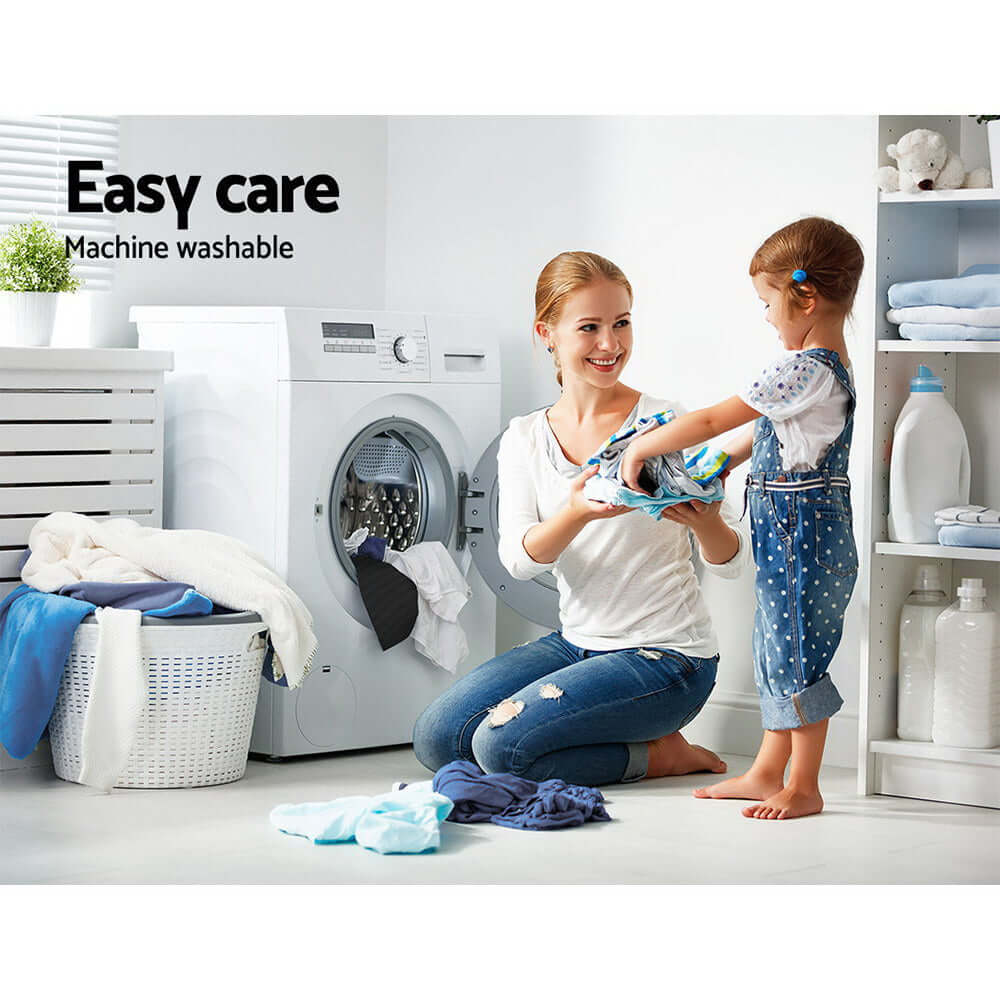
point(349, 331)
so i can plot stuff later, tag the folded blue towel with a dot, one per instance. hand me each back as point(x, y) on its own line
point(36, 632)
point(972, 536)
point(973, 291)
point(947, 331)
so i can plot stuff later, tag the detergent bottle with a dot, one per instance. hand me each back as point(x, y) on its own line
point(967, 671)
point(916, 655)
point(929, 468)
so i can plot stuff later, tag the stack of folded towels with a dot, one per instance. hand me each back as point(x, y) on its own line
point(963, 308)
point(969, 525)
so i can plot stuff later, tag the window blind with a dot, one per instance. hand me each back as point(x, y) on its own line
point(33, 174)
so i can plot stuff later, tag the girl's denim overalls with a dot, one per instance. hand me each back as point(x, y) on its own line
point(807, 564)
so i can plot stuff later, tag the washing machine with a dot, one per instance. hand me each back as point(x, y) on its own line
point(290, 428)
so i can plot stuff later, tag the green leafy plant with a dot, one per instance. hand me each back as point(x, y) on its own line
point(33, 259)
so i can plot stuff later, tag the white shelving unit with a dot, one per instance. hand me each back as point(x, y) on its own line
point(926, 235)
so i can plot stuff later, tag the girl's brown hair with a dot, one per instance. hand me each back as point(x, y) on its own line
point(566, 273)
point(830, 256)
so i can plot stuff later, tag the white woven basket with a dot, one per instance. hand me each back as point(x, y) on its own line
point(204, 675)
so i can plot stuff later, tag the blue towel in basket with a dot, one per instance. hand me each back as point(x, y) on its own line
point(36, 632)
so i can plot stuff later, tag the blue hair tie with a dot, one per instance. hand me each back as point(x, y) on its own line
point(799, 275)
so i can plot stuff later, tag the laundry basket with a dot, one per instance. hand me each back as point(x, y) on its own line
point(204, 675)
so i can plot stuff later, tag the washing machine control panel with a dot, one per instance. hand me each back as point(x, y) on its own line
point(395, 350)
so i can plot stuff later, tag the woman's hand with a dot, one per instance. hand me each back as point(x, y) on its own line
point(694, 514)
point(630, 468)
point(590, 510)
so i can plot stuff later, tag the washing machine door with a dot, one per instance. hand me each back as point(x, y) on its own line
point(536, 599)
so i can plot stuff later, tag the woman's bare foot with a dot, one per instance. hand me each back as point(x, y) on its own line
point(752, 785)
point(787, 804)
point(673, 755)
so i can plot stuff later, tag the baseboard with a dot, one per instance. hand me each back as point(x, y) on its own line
point(730, 723)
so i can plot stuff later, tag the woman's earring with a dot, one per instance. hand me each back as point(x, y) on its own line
point(549, 349)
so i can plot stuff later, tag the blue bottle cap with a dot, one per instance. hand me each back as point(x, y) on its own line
point(926, 381)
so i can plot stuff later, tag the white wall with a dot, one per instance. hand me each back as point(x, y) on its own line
point(339, 257)
point(476, 206)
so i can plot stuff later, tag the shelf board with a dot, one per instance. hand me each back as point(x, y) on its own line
point(934, 751)
point(942, 346)
point(959, 196)
point(937, 551)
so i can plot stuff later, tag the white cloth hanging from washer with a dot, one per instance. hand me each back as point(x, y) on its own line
point(442, 592)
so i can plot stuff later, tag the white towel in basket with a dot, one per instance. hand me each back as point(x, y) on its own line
point(64, 550)
point(118, 690)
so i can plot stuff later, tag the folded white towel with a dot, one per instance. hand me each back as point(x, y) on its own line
point(118, 691)
point(986, 316)
point(64, 550)
point(985, 517)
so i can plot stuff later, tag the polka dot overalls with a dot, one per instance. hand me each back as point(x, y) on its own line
point(807, 565)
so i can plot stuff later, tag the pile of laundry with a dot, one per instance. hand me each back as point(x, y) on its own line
point(417, 592)
point(408, 819)
point(119, 571)
point(969, 525)
point(963, 308)
point(668, 479)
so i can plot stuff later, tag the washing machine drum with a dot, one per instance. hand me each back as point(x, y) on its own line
point(395, 480)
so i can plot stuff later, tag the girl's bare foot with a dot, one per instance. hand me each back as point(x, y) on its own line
point(752, 785)
point(787, 804)
point(673, 755)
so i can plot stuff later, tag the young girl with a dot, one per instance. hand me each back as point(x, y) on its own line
point(807, 275)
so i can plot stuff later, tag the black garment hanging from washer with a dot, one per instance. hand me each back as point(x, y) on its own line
point(390, 599)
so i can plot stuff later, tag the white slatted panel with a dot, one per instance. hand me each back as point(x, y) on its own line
point(83, 441)
point(34, 153)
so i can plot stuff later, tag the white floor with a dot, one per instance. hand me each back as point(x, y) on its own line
point(55, 832)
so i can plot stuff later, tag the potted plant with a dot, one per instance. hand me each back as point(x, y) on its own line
point(992, 123)
point(34, 269)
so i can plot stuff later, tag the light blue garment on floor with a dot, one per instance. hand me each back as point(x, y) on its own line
point(947, 331)
point(403, 822)
point(972, 291)
point(973, 536)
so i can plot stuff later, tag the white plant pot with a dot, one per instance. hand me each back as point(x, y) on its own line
point(30, 318)
point(993, 136)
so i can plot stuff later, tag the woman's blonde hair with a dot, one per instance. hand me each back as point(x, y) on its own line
point(829, 255)
point(565, 274)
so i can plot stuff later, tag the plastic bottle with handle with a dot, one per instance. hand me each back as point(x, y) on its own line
point(915, 704)
point(967, 671)
point(929, 467)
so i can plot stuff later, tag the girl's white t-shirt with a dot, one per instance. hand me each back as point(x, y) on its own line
point(624, 581)
point(806, 403)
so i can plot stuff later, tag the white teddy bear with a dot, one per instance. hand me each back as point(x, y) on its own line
point(925, 164)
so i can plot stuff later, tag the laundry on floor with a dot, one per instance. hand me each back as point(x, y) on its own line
point(430, 613)
point(962, 308)
point(398, 822)
point(509, 800)
point(968, 525)
point(670, 479)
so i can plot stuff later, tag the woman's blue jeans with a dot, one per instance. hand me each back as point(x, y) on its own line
point(549, 709)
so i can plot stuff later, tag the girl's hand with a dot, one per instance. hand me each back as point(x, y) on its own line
point(694, 514)
point(590, 510)
point(630, 467)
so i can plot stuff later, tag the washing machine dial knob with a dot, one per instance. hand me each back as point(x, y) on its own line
point(405, 349)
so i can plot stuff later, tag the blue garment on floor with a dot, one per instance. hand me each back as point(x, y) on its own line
point(161, 600)
point(947, 331)
point(36, 632)
point(508, 800)
point(971, 535)
point(972, 291)
point(373, 547)
point(403, 822)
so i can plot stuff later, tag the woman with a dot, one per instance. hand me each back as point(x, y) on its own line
point(603, 700)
